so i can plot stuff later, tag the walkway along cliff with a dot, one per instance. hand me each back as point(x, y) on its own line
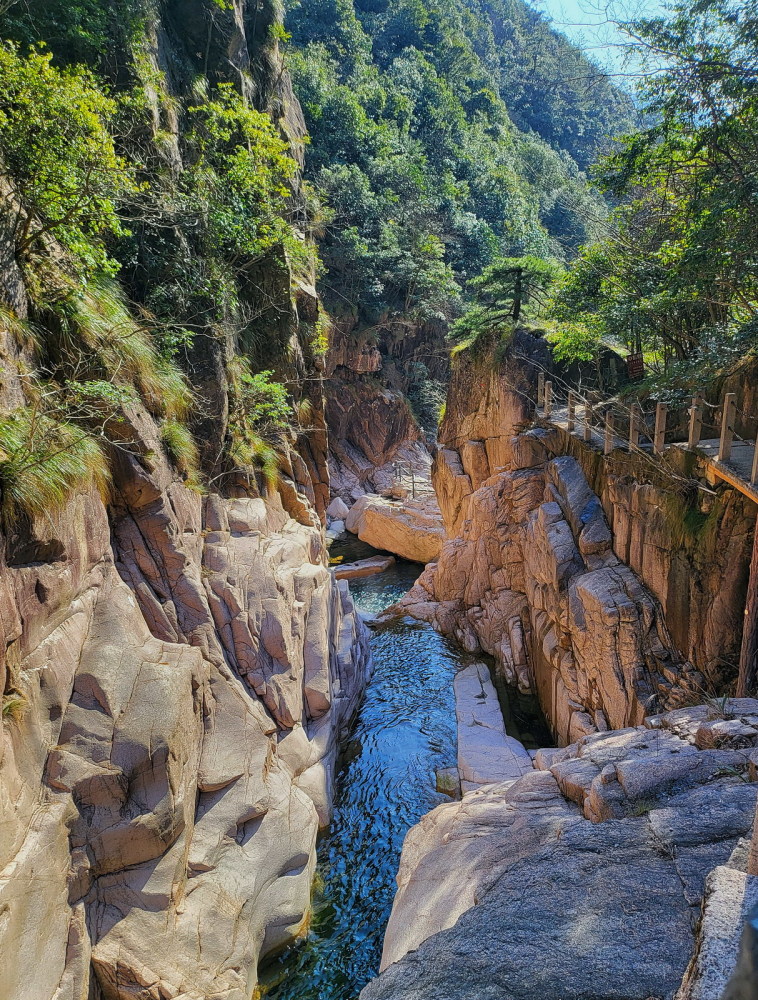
point(614, 868)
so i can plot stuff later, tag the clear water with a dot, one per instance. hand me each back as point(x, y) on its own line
point(385, 783)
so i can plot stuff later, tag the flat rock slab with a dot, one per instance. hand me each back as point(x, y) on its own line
point(364, 567)
point(597, 915)
point(486, 754)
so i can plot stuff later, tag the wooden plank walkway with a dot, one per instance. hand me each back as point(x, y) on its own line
point(736, 470)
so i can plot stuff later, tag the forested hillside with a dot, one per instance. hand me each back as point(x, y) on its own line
point(444, 135)
point(677, 275)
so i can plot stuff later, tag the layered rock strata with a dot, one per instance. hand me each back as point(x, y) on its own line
point(583, 878)
point(532, 579)
point(371, 431)
point(166, 759)
point(587, 577)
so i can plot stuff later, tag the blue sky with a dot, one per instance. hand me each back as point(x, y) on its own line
point(589, 23)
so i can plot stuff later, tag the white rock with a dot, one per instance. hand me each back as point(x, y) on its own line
point(486, 754)
point(337, 510)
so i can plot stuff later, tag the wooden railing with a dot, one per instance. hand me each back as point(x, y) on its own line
point(718, 451)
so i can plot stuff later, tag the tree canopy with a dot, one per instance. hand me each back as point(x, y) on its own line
point(677, 276)
point(444, 135)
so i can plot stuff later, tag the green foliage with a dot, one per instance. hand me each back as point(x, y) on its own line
point(262, 402)
point(508, 291)
point(60, 159)
point(678, 276)
point(409, 106)
point(77, 31)
point(181, 448)
point(426, 396)
point(260, 412)
point(239, 178)
point(96, 331)
point(42, 461)
point(14, 706)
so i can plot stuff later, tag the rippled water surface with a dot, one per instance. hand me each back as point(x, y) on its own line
point(405, 730)
point(385, 783)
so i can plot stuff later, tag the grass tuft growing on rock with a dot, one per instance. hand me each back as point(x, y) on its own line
point(42, 462)
point(14, 706)
point(181, 448)
point(97, 322)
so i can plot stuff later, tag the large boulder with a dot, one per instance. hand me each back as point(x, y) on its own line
point(411, 529)
point(584, 878)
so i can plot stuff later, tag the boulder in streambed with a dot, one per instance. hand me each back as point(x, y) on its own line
point(337, 510)
point(412, 529)
point(582, 879)
point(364, 567)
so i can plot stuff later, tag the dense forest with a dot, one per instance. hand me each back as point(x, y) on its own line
point(676, 276)
point(452, 155)
point(444, 135)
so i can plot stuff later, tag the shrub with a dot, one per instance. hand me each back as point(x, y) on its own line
point(96, 323)
point(59, 157)
point(253, 452)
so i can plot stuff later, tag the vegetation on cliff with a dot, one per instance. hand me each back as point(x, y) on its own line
point(677, 277)
point(444, 135)
point(156, 222)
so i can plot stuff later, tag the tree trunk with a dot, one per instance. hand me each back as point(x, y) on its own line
point(748, 676)
point(518, 294)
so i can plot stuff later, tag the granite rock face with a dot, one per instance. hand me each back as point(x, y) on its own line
point(532, 579)
point(486, 753)
point(573, 569)
point(180, 687)
point(411, 529)
point(370, 430)
point(583, 878)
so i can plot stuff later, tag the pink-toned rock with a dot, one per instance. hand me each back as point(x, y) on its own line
point(411, 529)
point(363, 567)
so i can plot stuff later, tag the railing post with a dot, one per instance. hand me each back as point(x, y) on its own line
point(540, 389)
point(754, 473)
point(609, 436)
point(727, 426)
point(634, 427)
point(548, 399)
point(659, 437)
point(696, 423)
point(571, 412)
point(587, 420)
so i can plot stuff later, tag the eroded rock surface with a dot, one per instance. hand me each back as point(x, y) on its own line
point(584, 878)
point(532, 579)
point(412, 529)
point(486, 753)
point(164, 778)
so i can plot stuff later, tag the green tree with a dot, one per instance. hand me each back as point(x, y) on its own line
point(506, 292)
point(66, 179)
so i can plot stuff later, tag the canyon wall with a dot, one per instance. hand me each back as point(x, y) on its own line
point(610, 585)
point(180, 677)
point(179, 661)
point(371, 424)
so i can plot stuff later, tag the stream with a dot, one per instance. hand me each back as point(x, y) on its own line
point(404, 732)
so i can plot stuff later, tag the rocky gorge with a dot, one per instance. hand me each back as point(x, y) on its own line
point(304, 696)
